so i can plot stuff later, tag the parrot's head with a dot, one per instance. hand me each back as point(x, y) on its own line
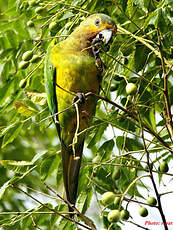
point(96, 26)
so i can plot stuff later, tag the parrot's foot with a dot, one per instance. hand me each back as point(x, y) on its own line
point(81, 97)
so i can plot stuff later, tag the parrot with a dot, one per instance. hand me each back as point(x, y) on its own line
point(72, 69)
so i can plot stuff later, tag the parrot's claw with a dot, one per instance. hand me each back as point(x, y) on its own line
point(81, 97)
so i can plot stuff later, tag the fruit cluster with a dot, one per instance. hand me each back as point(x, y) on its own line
point(120, 214)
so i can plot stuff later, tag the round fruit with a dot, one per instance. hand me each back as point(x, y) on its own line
point(143, 212)
point(124, 215)
point(114, 216)
point(163, 166)
point(27, 55)
point(52, 25)
point(35, 59)
point(131, 88)
point(23, 64)
point(116, 174)
point(152, 200)
point(30, 23)
point(39, 10)
point(117, 200)
point(107, 198)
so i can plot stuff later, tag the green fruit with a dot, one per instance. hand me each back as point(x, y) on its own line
point(40, 10)
point(116, 174)
point(163, 167)
point(124, 215)
point(117, 200)
point(27, 55)
point(131, 88)
point(30, 23)
point(23, 64)
point(52, 25)
point(143, 212)
point(107, 198)
point(35, 59)
point(114, 216)
point(152, 200)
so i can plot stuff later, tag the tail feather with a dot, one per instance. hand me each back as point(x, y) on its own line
point(71, 169)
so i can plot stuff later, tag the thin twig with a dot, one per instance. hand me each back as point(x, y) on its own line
point(131, 222)
point(73, 207)
point(146, 43)
point(165, 193)
point(74, 142)
point(128, 166)
point(132, 115)
point(167, 113)
point(34, 223)
point(51, 209)
point(29, 212)
point(152, 179)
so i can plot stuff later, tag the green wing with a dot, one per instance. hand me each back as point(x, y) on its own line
point(50, 85)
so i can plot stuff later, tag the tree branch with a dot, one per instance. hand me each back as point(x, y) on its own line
point(73, 207)
point(152, 180)
point(132, 115)
point(51, 209)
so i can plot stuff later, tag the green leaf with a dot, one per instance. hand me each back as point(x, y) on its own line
point(3, 188)
point(84, 199)
point(38, 156)
point(140, 4)
point(19, 167)
point(66, 225)
point(106, 149)
point(161, 21)
point(170, 2)
point(6, 26)
point(130, 7)
point(6, 91)
point(24, 110)
point(97, 136)
point(49, 165)
point(129, 143)
point(37, 98)
point(152, 118)
point(140, 57)
point(149, 19)
point(12, 38)
point(38, 218)
point(11, 132)
point(103, 180)
point(55, 217)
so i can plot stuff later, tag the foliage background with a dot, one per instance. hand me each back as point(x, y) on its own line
point(141, 53)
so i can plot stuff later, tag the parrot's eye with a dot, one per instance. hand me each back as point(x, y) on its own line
point(97, 22)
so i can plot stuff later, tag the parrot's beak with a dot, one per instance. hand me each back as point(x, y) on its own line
point(105, 36)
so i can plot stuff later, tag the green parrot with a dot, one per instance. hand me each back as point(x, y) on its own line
point(72, 69)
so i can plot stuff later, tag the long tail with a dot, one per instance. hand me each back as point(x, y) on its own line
point(71, 169)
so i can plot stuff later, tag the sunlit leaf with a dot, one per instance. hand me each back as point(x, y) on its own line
point(3, 189)
point(48, 165)
point(11, 133)
point(24, 110)
point(17, 166)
